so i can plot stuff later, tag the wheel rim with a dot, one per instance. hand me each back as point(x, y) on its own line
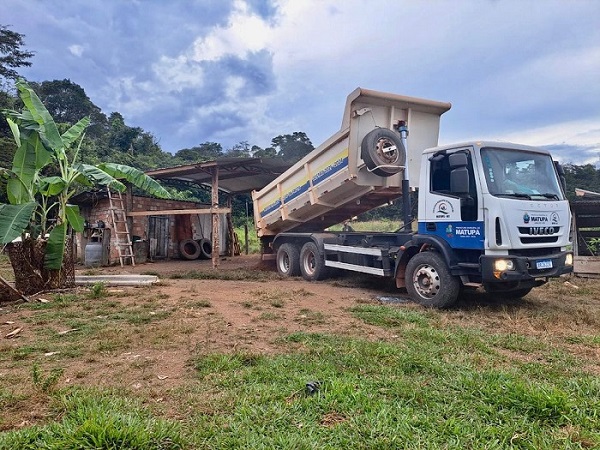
point(387, 150)
point(284, 263)
point(309, 263)
point(426, 281)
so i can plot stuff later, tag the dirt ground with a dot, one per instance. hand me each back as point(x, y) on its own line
point(145, 339)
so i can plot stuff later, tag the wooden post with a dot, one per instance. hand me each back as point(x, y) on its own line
point(215, 217)
point(230, 230)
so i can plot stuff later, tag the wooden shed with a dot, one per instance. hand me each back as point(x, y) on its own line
point(157, 227)
point(586, 233)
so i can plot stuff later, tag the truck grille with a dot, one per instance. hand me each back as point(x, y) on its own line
point(539, 240)
point(539, 235)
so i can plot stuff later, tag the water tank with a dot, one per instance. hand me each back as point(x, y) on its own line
point(93, 254)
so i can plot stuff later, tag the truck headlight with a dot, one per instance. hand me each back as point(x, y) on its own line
point(502, 265)
point(569, 259)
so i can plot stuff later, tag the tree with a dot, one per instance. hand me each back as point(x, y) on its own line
point(12, 56)
point(268, 152)
point(203, 152)
point(67, 102)
point(292, 147)
point(35, 197)
point(583, 177)
point(239, 150)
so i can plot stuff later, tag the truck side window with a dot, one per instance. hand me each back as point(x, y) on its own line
point(440, 184)
point(440, 174)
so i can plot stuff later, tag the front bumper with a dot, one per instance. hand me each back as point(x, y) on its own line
point(525, 268)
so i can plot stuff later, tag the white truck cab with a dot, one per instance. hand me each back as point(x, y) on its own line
point(500, 208)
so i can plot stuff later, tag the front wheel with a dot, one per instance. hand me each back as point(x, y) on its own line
point(312, 263)
point(429, 282)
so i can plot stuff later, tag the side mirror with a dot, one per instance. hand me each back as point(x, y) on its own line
point(459, 175)
point(458, 160)
point(459, 181)
point(561, 175)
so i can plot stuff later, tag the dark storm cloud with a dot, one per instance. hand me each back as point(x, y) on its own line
point(222, 106)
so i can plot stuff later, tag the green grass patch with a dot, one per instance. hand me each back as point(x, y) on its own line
point(382, 395)
point(97, 420)
point(388, 316)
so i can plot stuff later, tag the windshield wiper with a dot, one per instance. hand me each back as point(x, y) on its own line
point(550, 195)
point(515, 194)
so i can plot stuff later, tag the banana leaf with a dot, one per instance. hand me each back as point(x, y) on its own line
point(15, 130)
point(47, 127)
point(55, 248)
point(14, 219)
point(73, 133)
point(19, 190)
point(136, 177)
point(74, 218)
point(98, 176)
point(50, 186)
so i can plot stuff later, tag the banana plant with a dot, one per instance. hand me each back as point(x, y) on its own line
point(34, 196)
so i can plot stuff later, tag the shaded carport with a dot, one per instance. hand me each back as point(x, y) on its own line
point(229, 175)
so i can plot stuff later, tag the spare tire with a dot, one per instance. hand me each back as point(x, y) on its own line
point(383, 152)
point(205, 248)
point(189, 249)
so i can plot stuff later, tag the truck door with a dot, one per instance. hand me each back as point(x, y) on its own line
point(452, 204)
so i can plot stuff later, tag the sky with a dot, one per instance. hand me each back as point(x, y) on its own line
point(193, 71)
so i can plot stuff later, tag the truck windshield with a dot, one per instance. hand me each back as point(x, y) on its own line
point(520, 174)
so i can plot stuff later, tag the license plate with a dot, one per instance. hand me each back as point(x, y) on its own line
point(543, 264)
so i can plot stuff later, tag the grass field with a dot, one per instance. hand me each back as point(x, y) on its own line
point(483, 375)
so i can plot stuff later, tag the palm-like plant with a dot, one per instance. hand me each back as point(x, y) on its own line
point(35, 196)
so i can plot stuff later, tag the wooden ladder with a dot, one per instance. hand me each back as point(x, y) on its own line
point(120, 227)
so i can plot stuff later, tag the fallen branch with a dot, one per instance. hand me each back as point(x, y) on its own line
point(12, 289)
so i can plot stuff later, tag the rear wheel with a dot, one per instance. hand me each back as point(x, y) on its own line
point(429, 282)
point(312, 263)
point(288, 260)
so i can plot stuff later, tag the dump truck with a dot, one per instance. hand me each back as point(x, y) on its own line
point(491, 215)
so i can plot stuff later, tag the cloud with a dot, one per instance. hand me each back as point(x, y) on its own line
point(76, 50)
point(197, 70)
point(245, 32)
point(575, 154)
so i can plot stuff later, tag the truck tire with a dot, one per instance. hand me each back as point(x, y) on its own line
point(429, 282)
point(189, 249)
point(312, 263)
point(205, 248)
point(288, 260)
point(383, 152)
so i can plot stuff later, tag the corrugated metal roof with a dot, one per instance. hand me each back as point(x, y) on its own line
point(236, 175)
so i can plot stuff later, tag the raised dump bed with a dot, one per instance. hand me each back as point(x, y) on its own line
point(355, 170)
